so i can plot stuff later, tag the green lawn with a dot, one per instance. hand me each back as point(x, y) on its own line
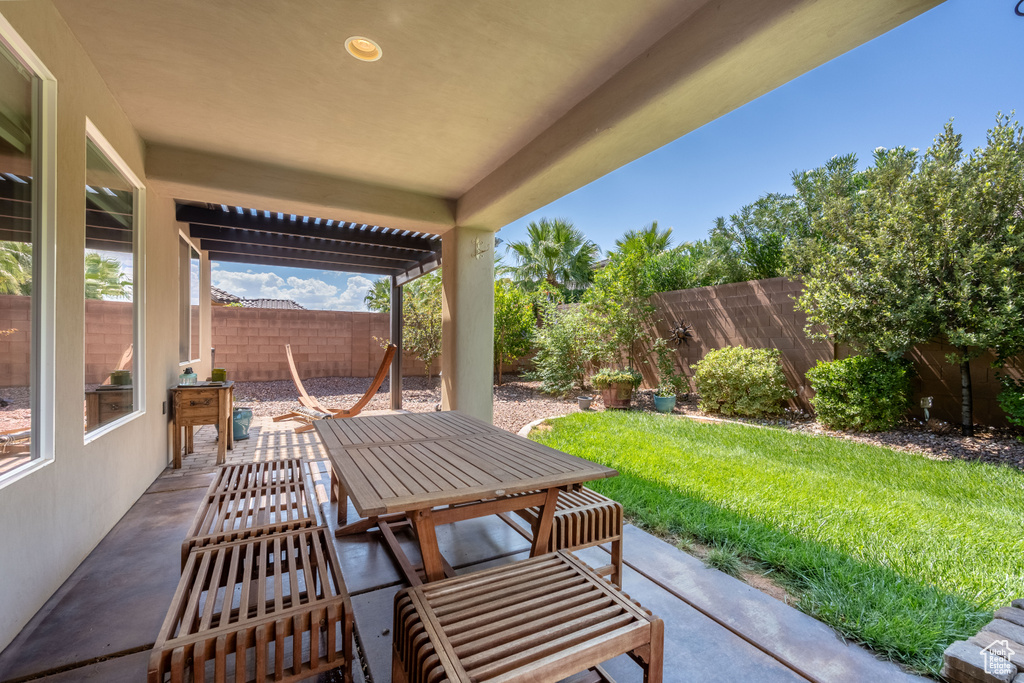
point(894, 550)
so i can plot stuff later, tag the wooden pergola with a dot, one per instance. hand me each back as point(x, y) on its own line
point(242, 235)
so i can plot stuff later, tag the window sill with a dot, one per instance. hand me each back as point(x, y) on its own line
point(25, 470)
point(107, 428)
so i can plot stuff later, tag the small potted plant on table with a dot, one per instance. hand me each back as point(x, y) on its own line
point(616, 386)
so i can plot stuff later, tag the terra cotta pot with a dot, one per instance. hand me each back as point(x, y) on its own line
point(618, 395)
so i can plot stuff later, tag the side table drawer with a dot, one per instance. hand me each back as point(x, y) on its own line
point(201, 404)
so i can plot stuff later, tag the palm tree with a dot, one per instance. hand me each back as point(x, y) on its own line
point(556, 252)
point(104, 278)
point(648, 240)
point(15, 267)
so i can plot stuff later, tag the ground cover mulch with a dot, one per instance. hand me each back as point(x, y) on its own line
point(516, 403)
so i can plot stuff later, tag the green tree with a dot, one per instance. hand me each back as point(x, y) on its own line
point(619, 303)
point(514, 322)
point(649, 239)
point(15, 267)
point(923, 249)
point(566, 342)
point(555, 252)
point(421, 319)
point(378, 297)
point(421, 315)
point(759, 232)
point(104, 278)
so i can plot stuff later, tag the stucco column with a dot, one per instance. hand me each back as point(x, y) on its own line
point(467, 308)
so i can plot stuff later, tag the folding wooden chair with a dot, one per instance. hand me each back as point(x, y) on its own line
point(311, 409)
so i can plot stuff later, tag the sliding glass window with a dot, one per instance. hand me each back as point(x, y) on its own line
point(112, 313)
point(188, 301)
point(25, 260)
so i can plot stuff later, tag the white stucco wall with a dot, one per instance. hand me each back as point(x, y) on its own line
point(52, 518)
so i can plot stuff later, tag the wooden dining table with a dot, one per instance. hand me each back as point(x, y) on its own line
point(428, 469)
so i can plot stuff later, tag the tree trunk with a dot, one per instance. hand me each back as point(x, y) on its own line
point(967, 409)
point(499, 371)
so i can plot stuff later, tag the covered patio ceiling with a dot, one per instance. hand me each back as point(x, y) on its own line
point(475, 115)
point(243, 235)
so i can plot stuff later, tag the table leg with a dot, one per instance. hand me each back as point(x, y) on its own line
point(433, 565)
point(222, 438)
point(542, 534)
point(176, 445)
point(231, 418)
point(189, 442)
point(341, 495)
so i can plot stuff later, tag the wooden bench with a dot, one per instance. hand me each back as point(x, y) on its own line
point(251, 500)
point(268, 608)
point(537, 620)
point(583, 518)
point(252, 475)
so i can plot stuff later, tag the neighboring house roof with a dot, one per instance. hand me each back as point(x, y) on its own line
point(219, 296)
point(272, 303)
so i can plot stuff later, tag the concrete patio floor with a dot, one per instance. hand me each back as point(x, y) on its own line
point(100, 625)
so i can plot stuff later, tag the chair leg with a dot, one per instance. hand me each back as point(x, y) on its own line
point(397, 669)
point(655, 660)
point(303, 428)
point(617, 562)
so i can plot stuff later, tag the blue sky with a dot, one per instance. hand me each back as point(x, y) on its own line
point(962, 60)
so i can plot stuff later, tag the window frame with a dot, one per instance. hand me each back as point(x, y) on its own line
point(93, 134)
point(42, 372)
point(193, 246)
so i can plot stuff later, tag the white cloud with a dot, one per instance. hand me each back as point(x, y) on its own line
point(312, 293)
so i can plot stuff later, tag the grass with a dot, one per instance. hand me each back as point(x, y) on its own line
point(899, 552)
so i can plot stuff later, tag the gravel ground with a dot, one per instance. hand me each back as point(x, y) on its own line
point(16, 414)
point(516, 403)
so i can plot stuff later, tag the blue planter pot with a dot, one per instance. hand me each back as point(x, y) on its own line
point(241, 418)
point(664, 404)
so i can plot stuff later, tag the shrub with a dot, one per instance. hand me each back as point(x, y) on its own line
point(862, 393)
point(1011, 399)
point(566, 341)
point(607, 377)
point(735, 380)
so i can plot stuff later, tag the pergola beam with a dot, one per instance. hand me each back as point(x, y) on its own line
point(355, 262)
point(296, 263)
point(286, 225)
point(268, 239)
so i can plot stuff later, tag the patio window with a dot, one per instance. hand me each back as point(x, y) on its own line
point(113, 306)
point(26, 258)
point(188, 300)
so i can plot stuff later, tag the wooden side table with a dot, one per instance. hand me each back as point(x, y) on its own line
point(203, 404)
point(106, 405)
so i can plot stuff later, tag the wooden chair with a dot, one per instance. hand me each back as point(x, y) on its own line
point(269, 608)
point(534, 621)
point(252, 500)
point(311, 409)
point(583, 518)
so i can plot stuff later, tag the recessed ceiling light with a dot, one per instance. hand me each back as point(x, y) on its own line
point(363, 48)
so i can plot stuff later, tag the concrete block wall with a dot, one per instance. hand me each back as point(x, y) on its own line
point(757, 314)
point(762, 314)
point(250, 343)
point(15, 340)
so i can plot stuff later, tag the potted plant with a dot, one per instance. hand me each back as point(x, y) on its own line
point(665, 398)
point(616, 386)
point(671, 381)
